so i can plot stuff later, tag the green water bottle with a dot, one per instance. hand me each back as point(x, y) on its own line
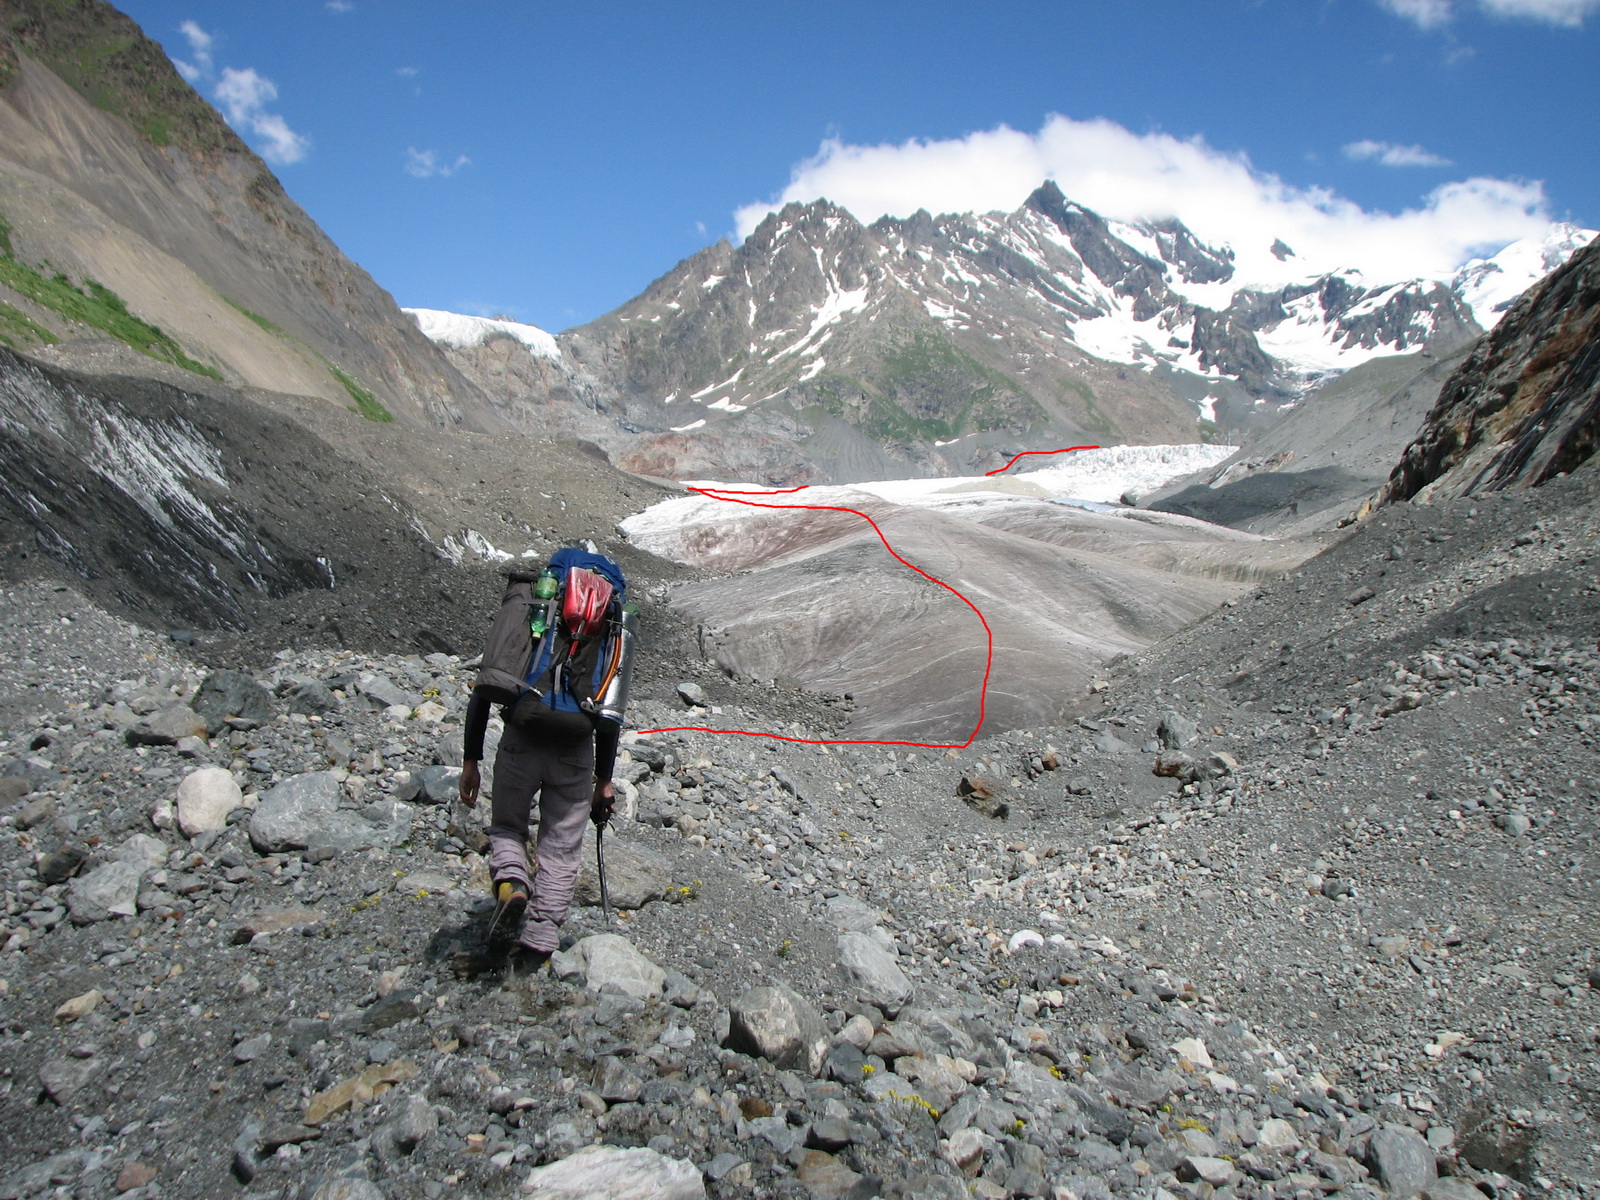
point(544, 591)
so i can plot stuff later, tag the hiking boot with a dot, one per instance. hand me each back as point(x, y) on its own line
point(510, 905)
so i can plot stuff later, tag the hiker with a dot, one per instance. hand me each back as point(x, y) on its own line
point(558, 661)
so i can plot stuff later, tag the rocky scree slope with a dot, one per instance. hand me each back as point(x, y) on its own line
point(116, 174)
point(241, 948)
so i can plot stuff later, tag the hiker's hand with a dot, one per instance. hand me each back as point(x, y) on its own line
point(604, 802)
point(470, 780)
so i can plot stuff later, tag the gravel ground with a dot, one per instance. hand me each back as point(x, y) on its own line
point(1343, 943)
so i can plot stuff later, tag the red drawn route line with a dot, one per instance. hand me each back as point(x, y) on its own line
point(988, 663)
point(1025, 453)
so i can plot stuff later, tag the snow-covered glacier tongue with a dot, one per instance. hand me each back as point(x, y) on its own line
point(1064, 581)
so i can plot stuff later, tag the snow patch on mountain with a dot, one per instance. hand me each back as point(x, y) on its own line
point(1489, 286)
point(461, 332)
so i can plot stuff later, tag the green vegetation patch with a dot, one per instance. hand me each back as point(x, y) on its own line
point(105, 57)
point(94, 305)
point(366, 403)
point(257, 318)
point(18, 331)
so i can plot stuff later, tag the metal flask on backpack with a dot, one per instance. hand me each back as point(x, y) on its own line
point(612, 702)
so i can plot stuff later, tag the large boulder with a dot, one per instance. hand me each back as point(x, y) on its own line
point(1402, 1160)
point(872, 972)
point(303, 813)
point(608, 961)
point(110, 890)
point(777, 1024)
point(634, 876)
point(205, 798)
point(616, 1174)
point(227, 694)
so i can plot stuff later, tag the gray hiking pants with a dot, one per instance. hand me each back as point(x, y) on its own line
point(563, 777)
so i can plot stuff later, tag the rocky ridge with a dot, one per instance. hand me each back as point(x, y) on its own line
point(822, 349)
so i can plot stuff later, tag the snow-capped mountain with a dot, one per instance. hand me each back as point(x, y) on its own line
point(824, 348)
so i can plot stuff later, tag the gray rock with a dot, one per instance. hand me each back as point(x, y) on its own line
point(166, 727)
point(64, 1078)
point(614, 1083)
point(1199, 1168)
point(872, 972)
point(634, 875)
point(609, 961)
point(348, 1188)
point(1515, 823)
point(387, 693)
point(412, 1123)
point(1452, 1187)
point(777, 1024)
point(205, 798)
point(720, 1166)
point(431, 785)
point(847, 914)
point(778, 1133)
point(252, 1048)
point(303, 813)
point(61, 864)
point(693, 695)
point(1109, 743)
point(110, 890)
point(617, 1174)
point(227, 694)
point(681, 991)
point(36, 812)
point(60, 1168)
point(1402, 1160)
point(1177, 731)
point(311, 697)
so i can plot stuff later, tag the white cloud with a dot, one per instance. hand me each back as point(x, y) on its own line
point(340, 6)
point(1130, 176)
point(406, 72)
point(1433, 14)
point(199, 49)
point(425, 164)
point(244, 96)
point(1391, 155)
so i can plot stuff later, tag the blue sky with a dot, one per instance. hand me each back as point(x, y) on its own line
point(548, 161)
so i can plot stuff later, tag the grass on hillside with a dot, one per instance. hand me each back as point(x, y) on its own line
point(257, 318)
point(18, 330)
point(94, 305)
point(366, 403)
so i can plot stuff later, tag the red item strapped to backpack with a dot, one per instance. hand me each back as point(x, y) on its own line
point(584, 602)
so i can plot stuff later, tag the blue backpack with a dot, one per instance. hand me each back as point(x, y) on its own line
point(566, 675)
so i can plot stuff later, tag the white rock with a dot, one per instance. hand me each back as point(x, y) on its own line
point(857, 1031)
point(1277, 1134)
point(162, 815)
point(873, 973)
point(609, 958)
point(205, 798)
point(612, 1173)
point(1194, 1052)
point(1024, 937)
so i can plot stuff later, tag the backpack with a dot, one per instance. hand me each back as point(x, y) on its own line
point(575, 673)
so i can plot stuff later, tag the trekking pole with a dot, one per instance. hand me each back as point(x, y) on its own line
point(600, 866)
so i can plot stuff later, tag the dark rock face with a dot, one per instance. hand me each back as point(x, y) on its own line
point(1525, 406)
